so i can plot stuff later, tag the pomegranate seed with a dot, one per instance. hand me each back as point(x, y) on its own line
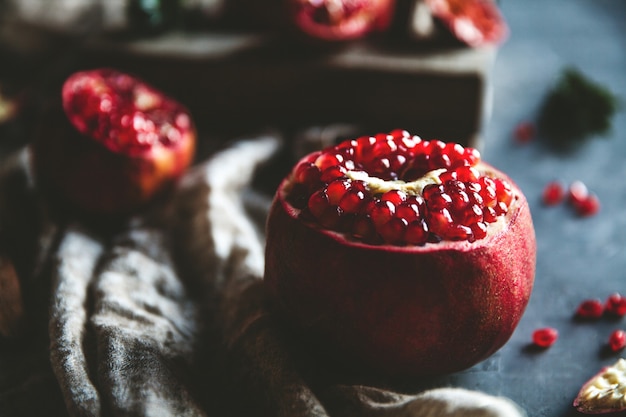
point(416, 233)
point(458, 232)
point(545, 337)
point(440, 221)
point(394, 196)
point(393, 231)
point(382, 212)
point(336, 190)
point(352, 201)
point(467, 174)
point(577, 192)
point(363, 228)
point(524, 132)
point(479, 229)
point(589, 206)
point(616, 305)
point(617, 340)
point(489, 215)
point(318, 203)
point(590, 309)
point(553, 193)
point(331, 217)
point(327, 160)
point(307, 173)
point(331, 174)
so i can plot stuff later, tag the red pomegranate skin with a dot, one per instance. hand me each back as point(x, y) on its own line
point(403, 311)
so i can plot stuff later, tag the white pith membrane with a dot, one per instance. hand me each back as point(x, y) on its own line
point(606, 391)
point(376, 185)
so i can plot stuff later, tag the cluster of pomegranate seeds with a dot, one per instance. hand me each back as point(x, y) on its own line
point(545, 337)
point(584, 202)
point(121, 112)
point(399, 189)
point(615, 305)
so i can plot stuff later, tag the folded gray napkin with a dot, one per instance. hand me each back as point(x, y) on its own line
point(168, 317)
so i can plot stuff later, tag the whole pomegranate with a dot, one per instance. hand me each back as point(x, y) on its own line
point(115, 143)
point(400, 255)
point(339, 20)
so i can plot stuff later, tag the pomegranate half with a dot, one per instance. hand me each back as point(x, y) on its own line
point(400, 255)
point(114, 144)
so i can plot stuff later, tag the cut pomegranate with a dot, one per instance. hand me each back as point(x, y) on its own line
point(617, 340)
point(124, 144)
point(553, 193)
point(545, 337)
point(406, 252)
point(590, 309)
point(616, 305)
point(474, 22)
point(605, 392)
point(339, 20)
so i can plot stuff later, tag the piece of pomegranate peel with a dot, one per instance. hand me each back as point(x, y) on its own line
point(605, 392)
point(125, 143)
point(340, 20)
point(412, 238)
point(474, 22)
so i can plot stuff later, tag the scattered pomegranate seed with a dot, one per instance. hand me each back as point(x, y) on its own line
point(616, 305)
point(590, 309)
point(524, 132)
point(577, 192)
point(589, 206)
point(617, 340)
point(545, 337)
point(553, 193)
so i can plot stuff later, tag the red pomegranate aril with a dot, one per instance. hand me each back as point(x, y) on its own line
point(524, 132)
point(327, 160)
point(545, 337)
point(617, 340)
point(332, 173)
point(393, 231)
point(416, 233)
point(553, 193)
point(577, 192)
point(467, 174)
point(440, 221)
point(318, 203)
point(363, 228)
point(408, 211)
point(616, 305)
point(394, 196)
point(479, 230)
point(590, 309)
point(307, 173)
point(336, 190)
point(503, 192)
point(489, 215)
point(501, 208)
point(382, 212)
point(458, 232)
point(470, 216)
point(589, 206)
point(352, 201)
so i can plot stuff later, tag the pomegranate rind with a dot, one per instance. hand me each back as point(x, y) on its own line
point(401, 310)
point(605, 392)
